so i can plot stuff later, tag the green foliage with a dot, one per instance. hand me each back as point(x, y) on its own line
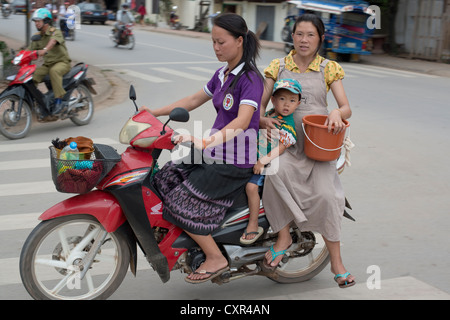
point(3, 48)
point(6, 54)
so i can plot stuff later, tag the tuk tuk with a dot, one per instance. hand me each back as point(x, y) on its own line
point(346, 33)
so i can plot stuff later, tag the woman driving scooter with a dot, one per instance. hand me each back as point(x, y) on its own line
point(196, 196)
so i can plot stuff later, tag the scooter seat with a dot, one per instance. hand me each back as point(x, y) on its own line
point(75, 69)
point(67, 77)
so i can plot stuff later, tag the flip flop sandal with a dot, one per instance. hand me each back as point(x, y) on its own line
point(346, 284)
point(274, 255)
point(250, 241)
point(212, 275)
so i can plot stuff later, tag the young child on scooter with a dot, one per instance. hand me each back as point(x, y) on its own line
point(286, 97)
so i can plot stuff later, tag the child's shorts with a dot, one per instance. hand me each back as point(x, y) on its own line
point(257, 179)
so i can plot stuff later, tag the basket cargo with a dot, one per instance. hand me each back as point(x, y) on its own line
point(81, 176)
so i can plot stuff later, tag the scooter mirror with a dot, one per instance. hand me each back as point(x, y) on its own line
point(133, 97)
point(36, 37)
point(132, 93)
point(179, 114)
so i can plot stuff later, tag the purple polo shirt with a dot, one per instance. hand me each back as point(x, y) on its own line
point(240, 151)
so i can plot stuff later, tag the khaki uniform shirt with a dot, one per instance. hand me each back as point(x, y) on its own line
point(58, 53)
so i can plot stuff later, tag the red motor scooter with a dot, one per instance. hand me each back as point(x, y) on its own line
point(84, 245)
point(21, 98)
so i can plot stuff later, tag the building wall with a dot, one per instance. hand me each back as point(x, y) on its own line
point(422, 28)
point(189, 11)
point(248, 10)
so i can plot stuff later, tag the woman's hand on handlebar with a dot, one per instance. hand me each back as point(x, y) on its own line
point(146, 109)
point(184, 138)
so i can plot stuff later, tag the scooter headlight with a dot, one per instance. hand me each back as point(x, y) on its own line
point(131, 129)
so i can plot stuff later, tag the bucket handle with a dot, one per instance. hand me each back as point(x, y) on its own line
point(303, 127)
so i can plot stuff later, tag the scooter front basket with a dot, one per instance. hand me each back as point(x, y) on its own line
point(81, 176)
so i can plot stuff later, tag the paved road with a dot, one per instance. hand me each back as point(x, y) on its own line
point(397, 184)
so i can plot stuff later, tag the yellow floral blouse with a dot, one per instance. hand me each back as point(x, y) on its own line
point(333, 71)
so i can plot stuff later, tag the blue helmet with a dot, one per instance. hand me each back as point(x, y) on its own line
point(41, 14)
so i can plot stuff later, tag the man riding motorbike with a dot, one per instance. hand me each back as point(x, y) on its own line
point(123, 17)
point(52, 47)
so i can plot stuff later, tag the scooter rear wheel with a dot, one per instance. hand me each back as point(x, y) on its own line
point(51, 261)
point(12, 124)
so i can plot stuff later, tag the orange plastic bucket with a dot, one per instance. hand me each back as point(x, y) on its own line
point(320, 144)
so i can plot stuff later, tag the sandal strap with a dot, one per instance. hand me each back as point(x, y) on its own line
point(276, 253)
point(345, 275)
point(204, 272)
point(248, 233)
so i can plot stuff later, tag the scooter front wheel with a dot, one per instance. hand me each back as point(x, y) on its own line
point(14, 124)
point(73, 258)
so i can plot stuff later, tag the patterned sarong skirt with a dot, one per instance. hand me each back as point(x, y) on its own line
point(196, 196)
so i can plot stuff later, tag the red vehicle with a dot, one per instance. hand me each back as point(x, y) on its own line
point(22, 98)
point(84, 245)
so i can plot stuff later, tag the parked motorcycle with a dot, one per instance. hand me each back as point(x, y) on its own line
point(22, 98)
point(125, 37)
point(84, 245)
point(6, 10)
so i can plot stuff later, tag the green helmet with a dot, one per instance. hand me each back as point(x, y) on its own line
point(41, 14)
